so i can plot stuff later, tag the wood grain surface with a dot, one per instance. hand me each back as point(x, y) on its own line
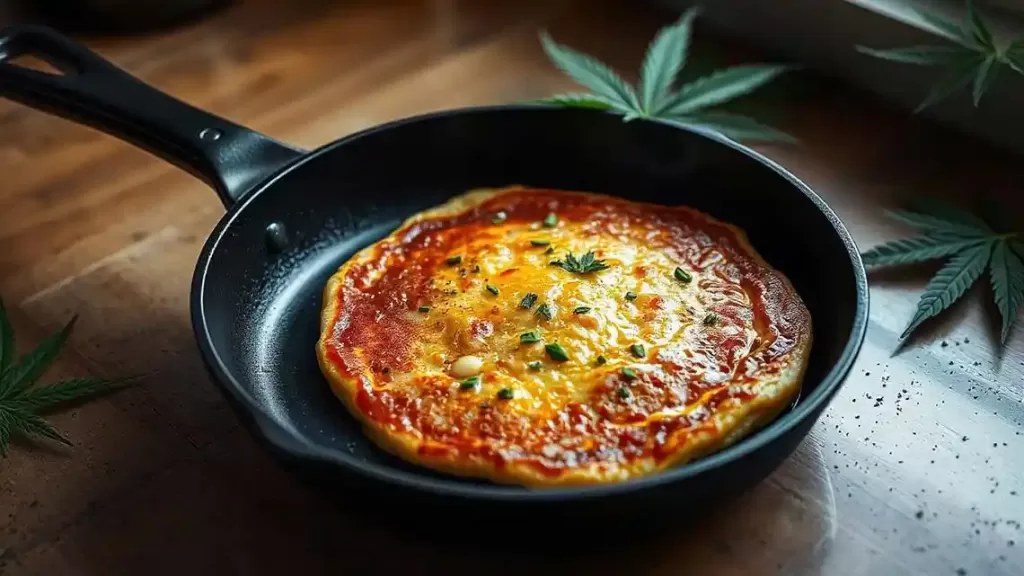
point(916, 468)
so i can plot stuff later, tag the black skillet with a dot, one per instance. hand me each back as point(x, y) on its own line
point(293, 217)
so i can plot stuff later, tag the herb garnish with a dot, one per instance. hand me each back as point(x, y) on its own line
point(581, 309)
point(601, 360)
point(499, 218)
point(628, 373)
point(545, 312)
point(535, 365)
point(630, 295)
point(682, 275)
point(453, 260)
point(638, 350)
point(583, 265)
point(424, 309)
point(469, 383)
point(529, 338)
point(972, 246)
point(550, 250)
point(21, 402)
point(528, 301)
point(551, 220)
point(492, 289)
point(623, 392)
point(506, 394)
point(711, 319)
point(540, 242)
point(556, 352)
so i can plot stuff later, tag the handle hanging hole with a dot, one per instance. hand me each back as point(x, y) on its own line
point(37, 63)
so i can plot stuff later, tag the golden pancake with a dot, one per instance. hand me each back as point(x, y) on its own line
point(551, 338)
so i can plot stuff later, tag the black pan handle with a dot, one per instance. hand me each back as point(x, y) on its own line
point(92, 91)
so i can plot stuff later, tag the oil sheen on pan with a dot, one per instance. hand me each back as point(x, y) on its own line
point(552, 338)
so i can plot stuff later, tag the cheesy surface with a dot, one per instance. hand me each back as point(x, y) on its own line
point(545, 338)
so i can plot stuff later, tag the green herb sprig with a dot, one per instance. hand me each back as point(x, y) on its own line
point(583, 265)
point(690, 105)
point(971, 245)
point(22, 402)
point(974, 61)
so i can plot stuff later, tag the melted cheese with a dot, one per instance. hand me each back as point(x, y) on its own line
point(660, 369)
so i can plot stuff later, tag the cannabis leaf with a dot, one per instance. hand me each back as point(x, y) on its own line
point(664, 60)
point(972, 245)
point(21, 401)
point(975, 61)
point(950, 283)
point(1007, 274)
point(583, 265)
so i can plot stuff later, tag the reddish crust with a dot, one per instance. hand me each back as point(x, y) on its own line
point(376, 318)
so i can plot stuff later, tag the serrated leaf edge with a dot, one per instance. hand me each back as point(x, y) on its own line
point(665, 58)
point(600, 78)
point(1006, 273)
point(906, 55)
point(949, 284)
point(916, 249)
point(719, 87)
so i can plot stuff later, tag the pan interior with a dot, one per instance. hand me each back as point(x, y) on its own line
point(261, 305)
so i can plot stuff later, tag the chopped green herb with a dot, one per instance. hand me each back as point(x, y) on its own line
point(453, 260)
point(630, 295)
point(470, 383)
point(476, 268)
point(528, 301)
point(535, 365)
point(492, 289)
point(556, 352)
point(424, 309)
point(551, 220)
point(583, 265)
point(545, 311)
point(499, 218)
point(550, 250)
point(629, 374)
point(682, 275)
point(711, 319)
point(581, 309)
point(623, 392)
point(540, 242)
point(638, 350)
point(506, 394)
point(529, 338)
point(601, 360)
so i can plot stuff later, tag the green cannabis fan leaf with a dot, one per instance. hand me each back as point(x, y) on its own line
point(972, 246)
point(665, 59)
point(21, 401)
point(975, 61)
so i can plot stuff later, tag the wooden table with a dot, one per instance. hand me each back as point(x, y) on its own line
point(917, 467)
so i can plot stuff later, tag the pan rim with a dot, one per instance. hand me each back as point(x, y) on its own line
point(289, 442)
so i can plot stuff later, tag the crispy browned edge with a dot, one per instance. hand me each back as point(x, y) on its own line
point(773, 397)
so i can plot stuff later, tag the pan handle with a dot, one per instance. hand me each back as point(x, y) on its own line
point(93, 91)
